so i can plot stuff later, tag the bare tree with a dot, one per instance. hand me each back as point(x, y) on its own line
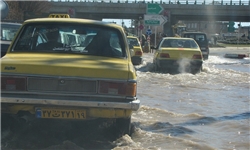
point(18, 9)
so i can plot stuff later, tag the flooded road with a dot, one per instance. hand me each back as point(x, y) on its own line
point(206, 111)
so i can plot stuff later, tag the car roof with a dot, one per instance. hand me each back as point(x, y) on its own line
point(11, 23)
point(72, 20)
point(131, 36)
point(90, 34)
point(178, 38)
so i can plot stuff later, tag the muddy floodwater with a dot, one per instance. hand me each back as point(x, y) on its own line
point(206, 111)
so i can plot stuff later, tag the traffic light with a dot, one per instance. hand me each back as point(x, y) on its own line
point(231, 27)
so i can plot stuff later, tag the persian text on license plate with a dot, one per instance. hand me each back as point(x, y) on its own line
point(60, 113)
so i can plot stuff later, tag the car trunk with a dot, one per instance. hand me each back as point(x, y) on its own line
point(179, 53)
point(65, 65)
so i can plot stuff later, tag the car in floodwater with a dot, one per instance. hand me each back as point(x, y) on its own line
point(54, 80)
point(134, 42)
point(177, 55)
point(8, 32)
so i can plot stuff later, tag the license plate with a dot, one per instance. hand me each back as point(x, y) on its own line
point(60, 113)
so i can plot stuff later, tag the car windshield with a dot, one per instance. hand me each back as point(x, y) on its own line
point(177, 43)
point(197, 37)
point(8, 31)
point(70, 38)
point(133, 41)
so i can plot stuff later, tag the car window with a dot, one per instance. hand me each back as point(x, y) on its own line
point(166, 43)
point(195, 36)
point(189, 36)
point(8, 31)
point(200, 37)
point(133, 41)
point(178, 43)
point(40, 40)
point(87, 39)
point(70, 38)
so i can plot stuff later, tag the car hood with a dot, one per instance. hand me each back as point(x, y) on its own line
point(67, 65)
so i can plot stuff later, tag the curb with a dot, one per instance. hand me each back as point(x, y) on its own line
point(236, 56)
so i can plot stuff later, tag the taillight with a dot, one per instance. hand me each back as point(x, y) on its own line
point(13, 83)
point(138, 53)
point(164, 55)
point(197, 56)
point(117, 88)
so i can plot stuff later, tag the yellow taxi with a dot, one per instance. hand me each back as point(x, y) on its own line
point(49, 78)
point(178, 55)
point(134, 42)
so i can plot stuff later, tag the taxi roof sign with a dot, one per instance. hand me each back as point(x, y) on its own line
point(59, 16)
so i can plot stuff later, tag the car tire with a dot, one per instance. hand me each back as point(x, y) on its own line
point(135, 63)
point(156, 67)
point(123, 126)
point(196, 70)
point(206, 57)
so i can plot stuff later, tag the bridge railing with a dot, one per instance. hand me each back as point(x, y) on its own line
point(177, 2)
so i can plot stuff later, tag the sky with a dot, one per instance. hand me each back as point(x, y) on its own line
point(127, 22)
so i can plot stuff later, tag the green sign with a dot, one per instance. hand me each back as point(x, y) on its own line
point(154, 9)
point(152, 22)
point(231, 27)
point(231, 23)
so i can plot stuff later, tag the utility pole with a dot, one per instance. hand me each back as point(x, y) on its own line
point(238, 34)
point(122, 23)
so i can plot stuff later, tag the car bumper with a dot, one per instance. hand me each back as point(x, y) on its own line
point(132, 105)
point(93, 109)
point(136, 60)
point(174, 64)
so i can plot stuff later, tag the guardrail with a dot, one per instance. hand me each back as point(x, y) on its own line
point(177, 2)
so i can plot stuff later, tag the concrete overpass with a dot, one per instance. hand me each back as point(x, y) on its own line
point(186, 10)
point(238, 11)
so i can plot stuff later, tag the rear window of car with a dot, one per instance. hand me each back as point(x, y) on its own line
point(178, 43)
point(196, 36)
point(133, 41)
point(71, 38)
